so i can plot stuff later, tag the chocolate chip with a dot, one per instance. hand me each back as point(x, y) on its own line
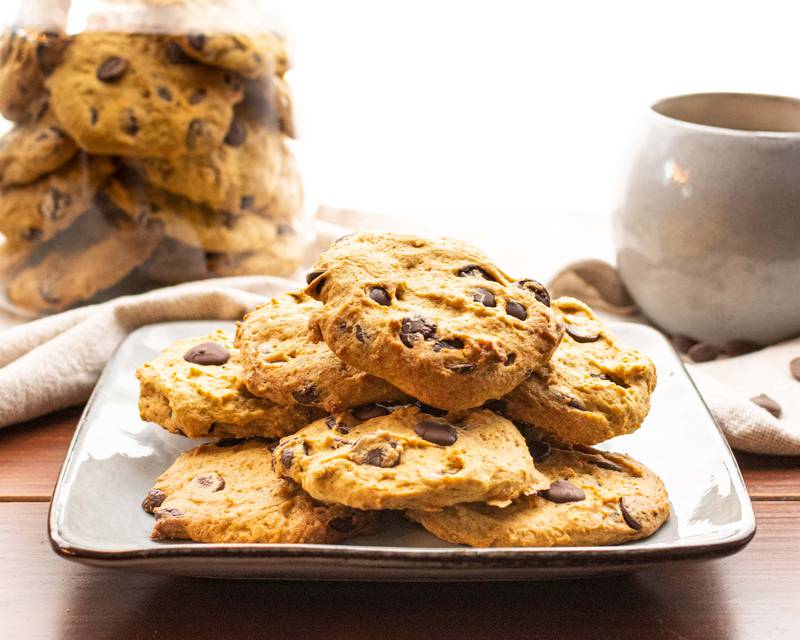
point(537, 288)
point(369, 411)
point(516, 310)
point(164, 93)
point(606, 464)
point(246, 202)
point(794, 368)
point(194, 133)
point(130, 123)
point(582, 334)
point(474, 271)
point(168, 513)
point(451, 343)
point(154, 498)
point(236, 135)
point(682, 343)
point(197, 41)
point(485, 297)
point(431, 411)
point(287, 458)
point(176, 55)
point(702, 352)
point(207, 353)
point(197, 97)
point(54, 203)
point(632, 522)
point(439, 433)
point(380, 295)
point(765, 402)
point(332, 424)
point(342, 525)
point(460, 367)
point(360, 336)
point(377, 458)
point(93, 116)
point(112, 69)
point(309, 394)
point(210, 481)
point(416, 328)
point(563, 491)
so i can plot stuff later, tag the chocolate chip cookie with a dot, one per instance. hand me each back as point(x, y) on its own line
point(594, 387)
point(195, 387)
point(281, 363)
point(434, 317)
point(37, 211)
point(251, 55)
point(31, 150)
point(383, 457)
point(228, 492)
point(592, 498)
point(140, 96)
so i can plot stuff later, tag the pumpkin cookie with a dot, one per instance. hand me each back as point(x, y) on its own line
point(281, 363)
point(139, 96)
point(593, 498)
point(251, 55)
point(593, 389)
point(383, 457)
point(433, 317)
point(195, 388)
point(228, 492)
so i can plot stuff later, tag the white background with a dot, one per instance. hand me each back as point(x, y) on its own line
point(461, 108)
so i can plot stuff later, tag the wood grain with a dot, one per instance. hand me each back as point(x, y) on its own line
point(750, 595)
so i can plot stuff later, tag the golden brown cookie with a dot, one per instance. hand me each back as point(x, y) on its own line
point(385, 457)
point(593, 498)
point(228, 492)
point(251, 55)
point(139, 96)
point(281, 363)
point(593, 389)
point(195, 388)
point(434, 317)
point(31, 150)
point(37, 211)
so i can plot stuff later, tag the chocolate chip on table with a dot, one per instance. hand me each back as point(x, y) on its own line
point(767, 403)
point(702, 352)
point(168, 513)
point(485, 297)
point(287, 458)
point(380, 295)
point(582, 334)
point(309, 394)
point(369, 411)
point(538, 290)
point(451, 343)
point(632, 522)
point(211, 481)
point(236, 135)
point(207, 353)
point(154, 498)
point(740, 347)
point(439, 433)
point(474, 271)
point(416, 328)
point(562, 491)
point(460, 367)
point(197, 41)
point(112, 69)
point(794, 368)
point(342, 525)
point(516, 310)
point(682, 343)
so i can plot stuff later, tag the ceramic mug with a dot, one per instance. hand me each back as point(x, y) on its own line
point(708, 232)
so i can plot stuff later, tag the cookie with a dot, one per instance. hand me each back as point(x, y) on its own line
point(433, 317)
point(382, 457)
point(594, 388)
point(31, 150)
point(593, 498)
point(250, 55)
point(140, 96)
point(228, 492)
point(26, 59)
point(192, 224)
point(252, 172)
point(37, 211)
point(93, 255)
point(195, 388)
point(281, 363)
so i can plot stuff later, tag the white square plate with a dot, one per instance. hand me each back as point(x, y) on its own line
point(96, 517)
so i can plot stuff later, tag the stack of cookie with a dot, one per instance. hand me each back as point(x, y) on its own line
point(410, 375)
point(138, 160)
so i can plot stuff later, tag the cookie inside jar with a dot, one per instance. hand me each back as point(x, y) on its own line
point(171, 122)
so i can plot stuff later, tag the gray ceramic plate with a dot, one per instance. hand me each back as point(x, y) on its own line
point(96, 518)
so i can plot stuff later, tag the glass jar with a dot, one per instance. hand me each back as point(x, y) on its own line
point(151, 143)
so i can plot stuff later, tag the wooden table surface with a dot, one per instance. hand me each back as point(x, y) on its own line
point(753, 594)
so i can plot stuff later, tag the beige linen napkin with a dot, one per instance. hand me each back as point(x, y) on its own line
point(725, 384)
